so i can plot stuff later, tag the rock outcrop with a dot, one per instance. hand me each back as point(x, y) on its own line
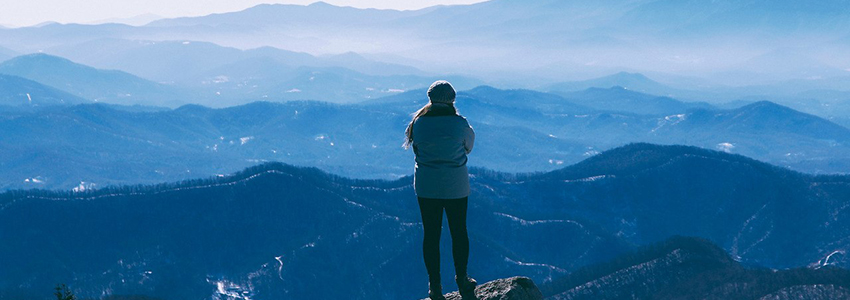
point(514, 288)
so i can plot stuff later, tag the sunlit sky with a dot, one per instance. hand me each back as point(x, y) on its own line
point(30, 12)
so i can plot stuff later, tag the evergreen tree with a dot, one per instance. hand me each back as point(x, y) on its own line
point(64, 293)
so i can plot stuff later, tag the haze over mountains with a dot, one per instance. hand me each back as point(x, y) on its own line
point(179, 73)
point(264, 74)
point(717, 52)
point(6, 54)
point(508, 41)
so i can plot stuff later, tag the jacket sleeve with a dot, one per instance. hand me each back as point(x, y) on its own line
point(469, 138)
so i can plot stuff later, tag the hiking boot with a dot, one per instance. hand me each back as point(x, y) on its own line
point(466, 286)
point(435, 292)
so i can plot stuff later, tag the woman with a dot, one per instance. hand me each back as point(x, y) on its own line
point(441, 139)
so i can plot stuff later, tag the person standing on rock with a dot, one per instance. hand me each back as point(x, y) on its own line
point(441, 139)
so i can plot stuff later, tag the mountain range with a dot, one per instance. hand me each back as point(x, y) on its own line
point(244, 235)
point(519, 131)
point(824, 97)
point(632, 81)
point(155, 73)
point(621, 99)
point(90, 83)
point(217, 76)
point(180, 61)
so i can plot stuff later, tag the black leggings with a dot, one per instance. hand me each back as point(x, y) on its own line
point(432, 221)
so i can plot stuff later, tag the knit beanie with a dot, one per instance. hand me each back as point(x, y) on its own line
point(441, 91)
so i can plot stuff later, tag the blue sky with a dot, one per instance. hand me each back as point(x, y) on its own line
point(30, 12)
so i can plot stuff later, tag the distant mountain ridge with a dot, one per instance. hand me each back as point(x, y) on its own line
point(619, 98)
point(632, 81)
point(268, 15)
point(90, 83)
point(753, 116)
point(207, 74)
point(181, 60)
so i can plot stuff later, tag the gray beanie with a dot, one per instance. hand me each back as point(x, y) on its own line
point(441, 91)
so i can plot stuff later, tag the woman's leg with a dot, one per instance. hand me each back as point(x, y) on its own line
point(432, 222)
point(456, 214)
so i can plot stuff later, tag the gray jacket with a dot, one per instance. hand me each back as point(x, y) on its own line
point(441, 143)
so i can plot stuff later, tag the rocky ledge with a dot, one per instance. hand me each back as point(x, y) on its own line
point(514, 288)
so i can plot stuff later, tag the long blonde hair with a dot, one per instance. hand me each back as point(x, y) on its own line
point(440, 109)
point(408, 141)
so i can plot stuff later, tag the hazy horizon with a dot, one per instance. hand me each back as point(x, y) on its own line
point(31, 13)
point(507, 43)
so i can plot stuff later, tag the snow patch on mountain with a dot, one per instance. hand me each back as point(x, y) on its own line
point(36, 179)
point(84, 186)
point(536, 222)
point(726, 147)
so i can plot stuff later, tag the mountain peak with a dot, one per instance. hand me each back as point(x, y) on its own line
point(628, 79)
point(631, 81)
point(41, 56)
point(321, 4)
point(483, 88)
point(27, 63)
point(637, 157)
point(624, 74)
point(765, 104)
point(769, 107)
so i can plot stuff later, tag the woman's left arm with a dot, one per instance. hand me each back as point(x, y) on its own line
point(469, 138)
